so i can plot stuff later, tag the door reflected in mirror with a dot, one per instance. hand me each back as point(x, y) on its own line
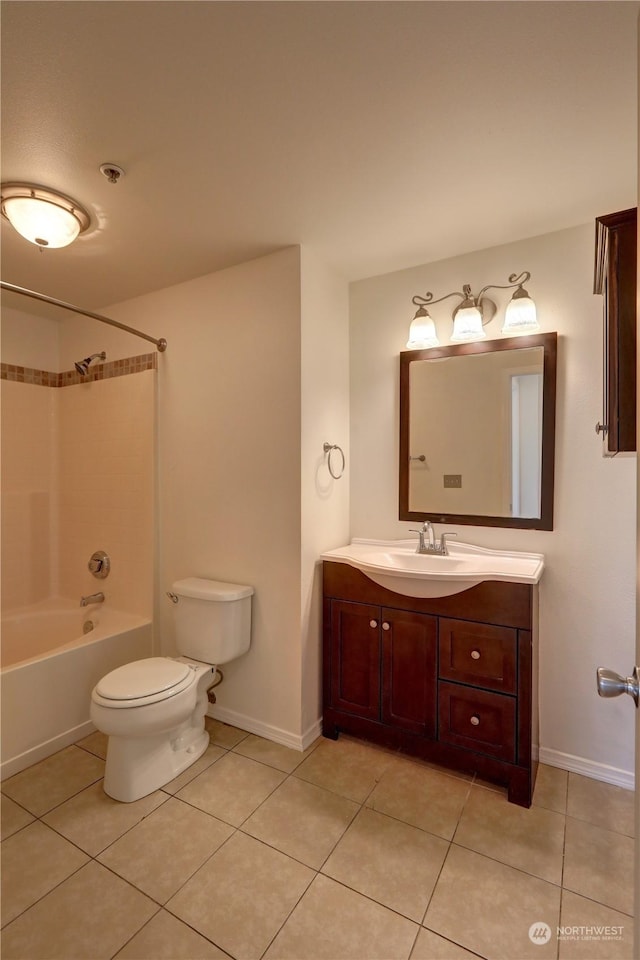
point(477, 432)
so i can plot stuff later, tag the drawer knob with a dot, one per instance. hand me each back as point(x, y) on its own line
point(475, 721)
point(475, 654)
point(386, 626)
point(373, 623)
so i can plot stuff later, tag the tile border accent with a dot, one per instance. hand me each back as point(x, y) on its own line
point(69, 378)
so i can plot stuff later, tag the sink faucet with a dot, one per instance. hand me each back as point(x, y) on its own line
point(92, 598)
point(440, 549)
point(426, 530)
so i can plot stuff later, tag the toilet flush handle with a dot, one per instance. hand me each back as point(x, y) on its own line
point(172, 597)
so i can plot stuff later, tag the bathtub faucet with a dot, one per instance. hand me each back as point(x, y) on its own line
point(92, 598)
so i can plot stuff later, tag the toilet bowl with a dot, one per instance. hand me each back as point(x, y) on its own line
point(153, 710)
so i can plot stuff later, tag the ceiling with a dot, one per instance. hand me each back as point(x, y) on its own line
point(382, 134)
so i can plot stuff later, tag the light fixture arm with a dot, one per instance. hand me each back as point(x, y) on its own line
point(427, 300)
point(515, 280)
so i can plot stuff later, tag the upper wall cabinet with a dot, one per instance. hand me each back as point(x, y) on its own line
point(615, 280)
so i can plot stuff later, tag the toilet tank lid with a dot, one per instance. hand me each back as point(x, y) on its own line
point(201, 589)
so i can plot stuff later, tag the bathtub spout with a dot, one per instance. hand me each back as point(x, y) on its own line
point(92, 598)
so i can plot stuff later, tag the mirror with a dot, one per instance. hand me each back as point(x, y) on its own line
point(477, 433)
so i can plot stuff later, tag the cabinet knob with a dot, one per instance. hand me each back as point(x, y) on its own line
point(475, 721)
point(475, 654)
point(386, 626)
point(601, 428)
point(373, 623)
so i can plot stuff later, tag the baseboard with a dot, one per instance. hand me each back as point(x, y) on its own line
point(554, 758)
point(16, 764)
point(266, 730)
point(588, 768)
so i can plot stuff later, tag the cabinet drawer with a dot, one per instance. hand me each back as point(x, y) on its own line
point(477, 720)
point(479, 654)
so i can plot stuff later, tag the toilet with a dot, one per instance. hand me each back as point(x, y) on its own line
point(153, 710)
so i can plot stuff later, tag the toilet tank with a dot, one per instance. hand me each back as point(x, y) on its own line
point(213, 619)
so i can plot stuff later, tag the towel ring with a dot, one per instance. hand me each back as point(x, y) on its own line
point(328, 449)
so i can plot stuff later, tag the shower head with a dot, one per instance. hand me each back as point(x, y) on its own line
point(82, 366)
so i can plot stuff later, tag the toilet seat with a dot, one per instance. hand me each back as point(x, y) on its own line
point(143, 682)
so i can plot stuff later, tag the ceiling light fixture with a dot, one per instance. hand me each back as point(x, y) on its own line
point(473, 313)
point(43, 216)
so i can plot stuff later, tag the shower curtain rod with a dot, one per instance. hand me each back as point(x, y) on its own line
point(161, 344)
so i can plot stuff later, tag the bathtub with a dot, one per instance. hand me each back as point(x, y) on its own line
point(51, 657)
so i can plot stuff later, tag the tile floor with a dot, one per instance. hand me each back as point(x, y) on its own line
point(345, 851)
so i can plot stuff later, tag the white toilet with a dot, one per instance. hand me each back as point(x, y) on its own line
point(153, 710)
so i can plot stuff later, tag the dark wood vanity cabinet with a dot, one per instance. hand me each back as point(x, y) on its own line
point(449, 679)
point(615, 278)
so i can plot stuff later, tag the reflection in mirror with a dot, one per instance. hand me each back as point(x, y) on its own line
point(477, 425)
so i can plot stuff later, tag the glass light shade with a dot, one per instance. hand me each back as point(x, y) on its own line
point(520, 316)
point(422, 332)
point(44, 223)
point(467, 325)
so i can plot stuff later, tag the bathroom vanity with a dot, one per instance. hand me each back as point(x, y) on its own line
point(449, 678)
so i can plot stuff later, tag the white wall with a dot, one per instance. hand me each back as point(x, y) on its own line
point(325, 418)
point(29, 340)
point(587, 593)
point(254, 379)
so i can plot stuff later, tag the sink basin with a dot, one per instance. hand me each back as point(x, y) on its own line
point(394, 564)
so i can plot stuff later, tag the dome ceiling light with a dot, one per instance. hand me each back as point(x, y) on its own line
point(43, 216)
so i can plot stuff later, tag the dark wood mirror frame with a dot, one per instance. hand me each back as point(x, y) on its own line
point(548, 341)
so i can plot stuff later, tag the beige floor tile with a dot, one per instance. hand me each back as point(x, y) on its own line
point(488, 907)
point(241, 897)
point(421, 797)
point(598, 864)
point(388, 861)
point(529, 839)
point(211, 754)
point(273, 754)
point(92, 820)
point(232, 788)
point(578, 940)
point(604, 804)
point(347, 767)
point(332, 922)
point(52, 781)
point(550, 790)
point(34, 861)
point(92, 914)
point(95, 743)
point(167, 938)
point(14, 817)
point(223, 734)
point(302, 820)
point(430, 946)
point(166, 848)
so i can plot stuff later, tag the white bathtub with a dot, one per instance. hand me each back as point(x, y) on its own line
point(50, 666)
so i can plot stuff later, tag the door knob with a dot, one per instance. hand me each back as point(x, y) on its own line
point(611, 684)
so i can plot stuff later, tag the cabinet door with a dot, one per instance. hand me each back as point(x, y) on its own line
point(355, 658)
point(615, 279)
point(409, 671)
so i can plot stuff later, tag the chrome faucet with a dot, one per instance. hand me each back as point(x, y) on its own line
point(92, 598)
point(430, 546)
point(427, 529)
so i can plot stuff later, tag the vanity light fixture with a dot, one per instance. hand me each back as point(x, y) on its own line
point(41, 215)
point(473, 313)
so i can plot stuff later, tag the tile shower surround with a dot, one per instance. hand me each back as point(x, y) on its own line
point(101, 371)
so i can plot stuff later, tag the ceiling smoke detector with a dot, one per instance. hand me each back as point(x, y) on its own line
point(111, 171)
